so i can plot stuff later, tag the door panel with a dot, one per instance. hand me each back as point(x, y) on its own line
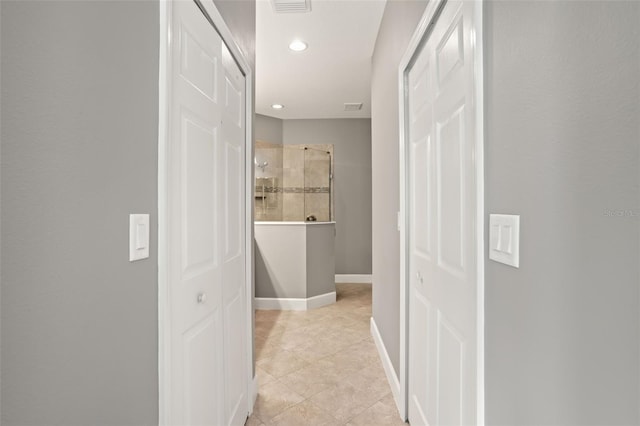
point(450, 50)
point(451, 192)
point(199, 146)
point(235, 355)
point(233, 266)
point(442, 229)
point(199, 63)
point(203, 393)
point(419, 347)
point(206, 178)
point(451, 380)
point(234, 195)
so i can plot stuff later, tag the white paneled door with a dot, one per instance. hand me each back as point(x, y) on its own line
point(442, 229)
point(206, 258)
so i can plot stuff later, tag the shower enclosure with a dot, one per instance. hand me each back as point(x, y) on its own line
point(293, 183)
point(294, 226)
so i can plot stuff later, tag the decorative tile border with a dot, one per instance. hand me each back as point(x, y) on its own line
point(294, 190)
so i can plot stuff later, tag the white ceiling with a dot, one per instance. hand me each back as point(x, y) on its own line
point(334, 70)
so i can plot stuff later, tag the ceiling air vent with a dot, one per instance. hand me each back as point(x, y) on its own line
point(353, 106)
point(291, 6)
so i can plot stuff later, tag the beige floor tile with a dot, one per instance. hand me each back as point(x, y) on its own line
point(320, 348)
point(348, 336)
point(369, 380)
point(304, 414)
point(364, 350)
point(274, 398)
point(341, 318)
point(321, 367)
point(318, 315)
point(347, 360)
point(383, 412)
point(254, 421)
point(309, 381)
point(295, 321)
point(263, 376)
point(360, 322)
point(344, 401)
point(262, 315)
point(293, 338)
point(259, 342)
point(265, 348)
point(281, 363)
point(268, 329)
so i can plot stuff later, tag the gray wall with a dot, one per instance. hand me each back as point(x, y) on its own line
point(268, 129)
point(79, 153)
point(281, 261)
point(320, 254)
point(351, 139)
point(294, 261)
point(240, 17)
point(562, 150)
point(398, 23)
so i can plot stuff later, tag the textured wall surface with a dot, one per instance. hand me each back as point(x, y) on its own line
point(398, 24)
point(562, 150)
point(79, 153)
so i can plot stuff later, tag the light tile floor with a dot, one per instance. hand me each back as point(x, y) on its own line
point(321, 367)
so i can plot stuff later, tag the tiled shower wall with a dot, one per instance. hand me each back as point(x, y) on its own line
point(296, 182)
point(317, 182)
point(268, 191)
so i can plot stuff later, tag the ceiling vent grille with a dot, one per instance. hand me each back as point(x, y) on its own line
point(353, 106)
point(291, 6)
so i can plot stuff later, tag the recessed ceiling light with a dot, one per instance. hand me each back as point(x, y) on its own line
point(277, 106)
point(298, 45)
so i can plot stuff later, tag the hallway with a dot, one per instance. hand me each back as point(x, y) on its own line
point(321, 367)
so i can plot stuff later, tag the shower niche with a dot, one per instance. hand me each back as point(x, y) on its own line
point(293, 183)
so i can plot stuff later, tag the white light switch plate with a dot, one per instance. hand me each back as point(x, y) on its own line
point(138, 236)
point(504, 239)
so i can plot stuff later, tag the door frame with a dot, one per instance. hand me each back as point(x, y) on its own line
point(164, 98)
point(422, 32)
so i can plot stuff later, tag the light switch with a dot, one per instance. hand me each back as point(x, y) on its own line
point(141, 236)
point(504, 239)
point(138, 236)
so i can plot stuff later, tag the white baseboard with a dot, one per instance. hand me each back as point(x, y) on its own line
point(321, 300)
point(392, 378)
point(280, 304)
point(354, 278)
point(284, 304)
